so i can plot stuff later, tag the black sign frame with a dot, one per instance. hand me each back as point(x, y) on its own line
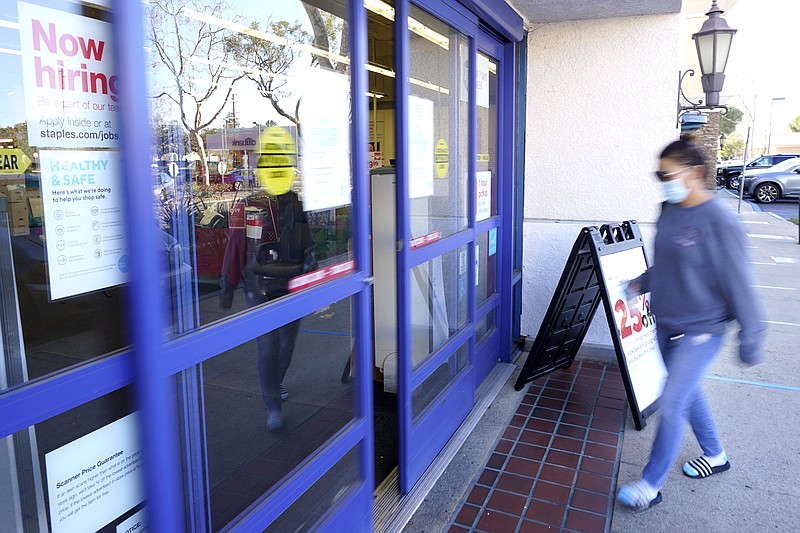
point(580, 289)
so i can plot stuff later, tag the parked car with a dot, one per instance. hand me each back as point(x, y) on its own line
point(163, 185)
point(724, 164)
point(239, 178)
point(729, 175)
point(780, 181)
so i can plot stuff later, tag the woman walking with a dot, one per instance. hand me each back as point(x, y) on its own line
point(700, 280)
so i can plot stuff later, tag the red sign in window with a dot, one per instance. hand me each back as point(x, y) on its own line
point(236, 216)
point(425, 239)
point(322, 275)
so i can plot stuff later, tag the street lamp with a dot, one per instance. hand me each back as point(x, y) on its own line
point(713, 43)
point(771, 107)
point(258, 140)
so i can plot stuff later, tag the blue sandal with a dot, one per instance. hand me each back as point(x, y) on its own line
point(700, 468)
point(636, 496)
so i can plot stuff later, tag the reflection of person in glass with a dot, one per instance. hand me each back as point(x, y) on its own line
point(265, 267)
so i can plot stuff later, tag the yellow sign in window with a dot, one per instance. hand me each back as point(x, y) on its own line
point(13, 161)
point(276, 166)
point(442, 159)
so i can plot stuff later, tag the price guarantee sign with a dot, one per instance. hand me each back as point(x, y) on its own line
point(635, 325)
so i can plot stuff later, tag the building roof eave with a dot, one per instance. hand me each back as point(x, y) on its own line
point(546, 11)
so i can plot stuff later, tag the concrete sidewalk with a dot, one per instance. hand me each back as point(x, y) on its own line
point(757, 412)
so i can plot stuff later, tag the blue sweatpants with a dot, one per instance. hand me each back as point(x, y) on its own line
point(687, 359)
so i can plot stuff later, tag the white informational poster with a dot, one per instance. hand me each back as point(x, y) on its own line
point(135, 524)
point(482, 81)
point(477, 265)
point(420, 147)
point(462, 274)
point(95, 479)
point(483, 202)
point(636, 325)
point(69, 77)
point(325, 146)
point(83, 221)
point(438, 304)
point(463, 54)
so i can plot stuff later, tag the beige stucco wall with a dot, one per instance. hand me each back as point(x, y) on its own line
point(600, 107)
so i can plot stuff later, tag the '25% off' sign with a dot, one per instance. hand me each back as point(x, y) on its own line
point(634, 315)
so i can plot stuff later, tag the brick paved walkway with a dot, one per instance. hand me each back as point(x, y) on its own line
point(555, 466)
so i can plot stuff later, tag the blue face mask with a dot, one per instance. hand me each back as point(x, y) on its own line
point(675, 190)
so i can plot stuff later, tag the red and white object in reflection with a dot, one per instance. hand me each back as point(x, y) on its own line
point(322, 275)
point(255, 222)
point(425, 239)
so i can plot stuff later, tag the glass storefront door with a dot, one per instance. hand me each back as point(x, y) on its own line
point(253, 181)
point(188, 222)
point(184, 257)
point(436, 224)
point(436, 260)
point(455, 299)
point(491, 259)
point(63, 272)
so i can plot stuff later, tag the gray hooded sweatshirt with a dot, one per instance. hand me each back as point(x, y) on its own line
point(701, 278)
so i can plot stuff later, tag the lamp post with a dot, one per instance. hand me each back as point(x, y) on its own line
point(771, 107)
point(713, 43)
point(257, 149)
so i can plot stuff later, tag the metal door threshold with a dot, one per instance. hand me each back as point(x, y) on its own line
point(391, 513)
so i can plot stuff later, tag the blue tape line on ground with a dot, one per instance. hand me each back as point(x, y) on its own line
point(756, 383)
point(337, 333)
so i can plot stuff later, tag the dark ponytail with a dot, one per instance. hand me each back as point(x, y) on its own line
point(685, 153)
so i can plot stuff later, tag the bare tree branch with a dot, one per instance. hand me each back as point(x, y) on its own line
point(194, 55)
point(321, 40)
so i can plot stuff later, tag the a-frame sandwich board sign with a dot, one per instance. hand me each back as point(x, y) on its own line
point(598, 269)
point(571, 309)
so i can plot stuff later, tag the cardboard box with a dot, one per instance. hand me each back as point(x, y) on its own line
point(18, 214)
point(35, 203)
point(16, 232)
point(13, 185)
point(13, 190)
point(12, 178)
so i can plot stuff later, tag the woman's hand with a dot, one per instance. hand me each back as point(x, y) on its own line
point(632, 290)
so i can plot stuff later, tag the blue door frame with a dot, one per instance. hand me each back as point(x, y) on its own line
point(502, 221)
point(422, 440)
point(151, 364)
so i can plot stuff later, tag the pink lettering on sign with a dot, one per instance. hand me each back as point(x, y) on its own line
point(61, 76)
point(67, 44)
